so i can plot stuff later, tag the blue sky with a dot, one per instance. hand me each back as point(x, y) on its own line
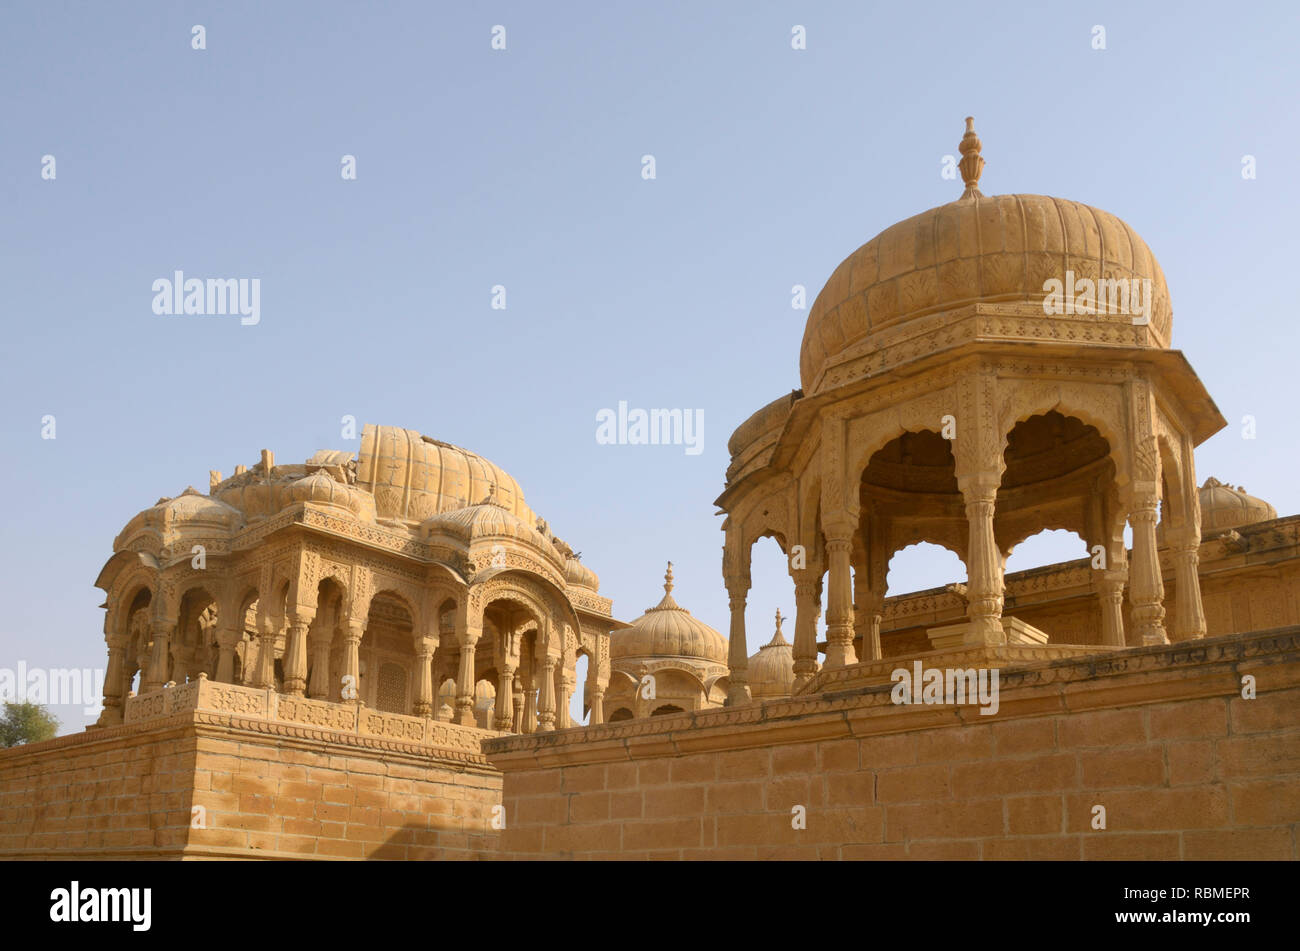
point(522, 168)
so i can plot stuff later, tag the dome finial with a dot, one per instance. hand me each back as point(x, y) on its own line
point(668, 579)
point(972, 163)
point(778, 639)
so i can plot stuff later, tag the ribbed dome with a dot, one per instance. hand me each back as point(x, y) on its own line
point(770, 672)
point(1223, 507)
point(484, 520)
point(579, 575)
point(193, 506)
point(669, 630)
point(416, 477)
point(189, 514)
point(321, 489)
point(976, 249)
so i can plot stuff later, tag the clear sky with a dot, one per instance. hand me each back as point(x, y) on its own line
point(523, 168)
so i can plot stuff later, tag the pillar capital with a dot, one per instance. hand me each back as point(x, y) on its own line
point(839, 544)
point(300, 614)
point(1142, 495)
point(738, 585)
point(839, 528)
point(1184, 541)
point(118, 641)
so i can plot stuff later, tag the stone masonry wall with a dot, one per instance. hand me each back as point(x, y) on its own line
point(131, 791)
point(113, 793)
point(1160, 737)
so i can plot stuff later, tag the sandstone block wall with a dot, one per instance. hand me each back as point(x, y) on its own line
point(118, 794)
point(1161, 738)
point(130, 792)
point(279, 800)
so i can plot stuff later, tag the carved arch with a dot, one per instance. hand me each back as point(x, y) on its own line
point(538, 595)
point(870, 433)
point(1099, 405)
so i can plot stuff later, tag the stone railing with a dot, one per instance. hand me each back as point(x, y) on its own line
point(343, 719)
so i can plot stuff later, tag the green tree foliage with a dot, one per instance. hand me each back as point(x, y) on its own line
point(26, 723)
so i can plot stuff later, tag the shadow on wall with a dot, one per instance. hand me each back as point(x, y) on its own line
point(443, 839)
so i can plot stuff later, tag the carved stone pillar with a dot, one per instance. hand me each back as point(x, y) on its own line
point(266, 637)
point(295, 655)
point(1191, 612)
point(839, 597)
point(228, 635)
point(807, 609)
point(985, 582)
point(867, 607)
point(737, 656)
point(596, 697)
point(877, 575)
point(465, 680)
point(248, 673)
point(1110, 594)
point(424, 677)
point(1146, 587)
point(874, 616)
point(350, 681)
point(519, 707)
point(160, 657)
point(505, 699)
point(114, 682)
point(567, 681)
point(546, 702)
point(861, 603)
point(318, 688)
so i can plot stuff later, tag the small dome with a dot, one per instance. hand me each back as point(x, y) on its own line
point(487, 519)
point(321, 489)
point(192, 506)
point(771, 670)
point(579, 575)
point(1223, 507)
point(669, 630)
point(447, 692)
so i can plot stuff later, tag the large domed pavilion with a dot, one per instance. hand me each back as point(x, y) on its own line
point(977, 373)
point(366, 578)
